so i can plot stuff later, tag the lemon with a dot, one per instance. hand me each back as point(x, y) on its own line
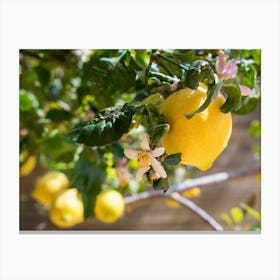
point(29, 163)
point(202, 138)
point(67, 209)
point(48, 186)
point(109, 206)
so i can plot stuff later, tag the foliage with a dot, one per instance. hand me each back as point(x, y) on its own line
point(79, 106)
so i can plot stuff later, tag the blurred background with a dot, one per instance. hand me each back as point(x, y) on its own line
point(60, 88)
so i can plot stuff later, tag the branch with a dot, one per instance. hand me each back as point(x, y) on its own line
point(196, 182)
point(204, 181)
point(197, 210)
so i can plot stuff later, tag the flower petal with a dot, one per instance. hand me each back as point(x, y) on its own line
point(231, 69)
point(140, 172)
point(245, 91)
point(221, 63)
point(131, 154)
point(158, 152)
point(158, 168)
point(145, 143)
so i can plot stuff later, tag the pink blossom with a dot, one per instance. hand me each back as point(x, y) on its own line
point(225, 69)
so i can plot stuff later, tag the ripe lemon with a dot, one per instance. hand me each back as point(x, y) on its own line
point(202, 138)
point(67, 209)
point(29, 163)
point(109, 206)
point(48, 186)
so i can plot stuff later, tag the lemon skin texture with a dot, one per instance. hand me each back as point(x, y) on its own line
point(67, 209)
point(202, 138)
point(109, 206)
point(48, 186)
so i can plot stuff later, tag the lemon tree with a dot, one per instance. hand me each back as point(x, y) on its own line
point(128, 119)
point(49, 186)
point(109, 206)
point(67, 209)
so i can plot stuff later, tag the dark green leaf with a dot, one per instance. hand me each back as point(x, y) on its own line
point(87, 178)
point(44, 75)
point(233, 101)
point(213, 91)
point(161, 184)
point(58, 115)
point(198, 71)
point(173, 159)
point(106, 128)
point(140, 96)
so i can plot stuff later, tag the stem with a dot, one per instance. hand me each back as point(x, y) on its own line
point(172, 61)
point(197, 210)
point(165, 77)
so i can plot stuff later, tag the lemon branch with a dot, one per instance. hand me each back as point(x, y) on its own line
point(204, 181)
point(196, 209)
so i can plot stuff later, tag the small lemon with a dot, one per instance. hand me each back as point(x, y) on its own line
point(48, 186)
point(109, 206)
point(67, 209)
point(29, 163)
point(202, 138)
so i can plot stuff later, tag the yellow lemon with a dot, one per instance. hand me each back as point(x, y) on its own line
point(109, 206)
point(29, 163)
point(202, 138)
point(48, 186)
point(67, 209)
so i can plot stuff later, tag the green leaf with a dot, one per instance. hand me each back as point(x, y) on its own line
point(107, 127)
point(198, 71)
point(87, 178)
point(248, 105)
point(212, 93)
point(237, 214)
point(233, 101)
point(173, 159)
point(255, 129)
point(161, 184)
point(157, 132)
point(27, 100)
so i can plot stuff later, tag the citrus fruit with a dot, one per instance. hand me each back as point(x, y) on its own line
point(109, 206)
point(28, 163)
point(67, 209)
point(202, 138)
point(48, 186)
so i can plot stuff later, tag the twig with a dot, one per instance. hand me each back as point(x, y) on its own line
point(197, 210)
point(196, 182)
